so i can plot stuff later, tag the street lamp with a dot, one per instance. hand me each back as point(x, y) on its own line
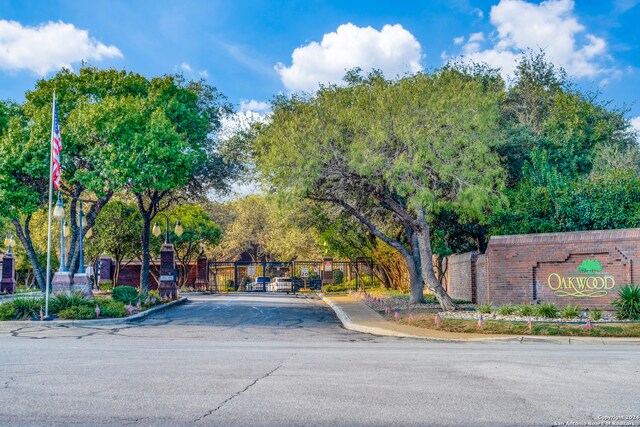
point(58, 213)
point(9, 242)
point(81, 263)
point(178, 230)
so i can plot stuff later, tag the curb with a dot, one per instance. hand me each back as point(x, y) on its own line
point(347, 323)
point(114, 321)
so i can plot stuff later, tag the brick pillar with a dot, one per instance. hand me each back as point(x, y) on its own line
point(167, 287)
point(202, 273)
point(8, 283)
point(104, 274)
point(327, 271)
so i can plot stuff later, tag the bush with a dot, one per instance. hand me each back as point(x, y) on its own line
point(507, 310)
point(106, 286)
point(526, 310)
point(154, 294)
point(125, 294)
point(338, 276)
point(7, 312)
point(595, 314)
point(62, 301)
point(570, 312)
point(26, 308)
point(111, 308)
point(485, 308)
point(336, 288)
point(627, 304)
point(548, 310)
point(78, 312)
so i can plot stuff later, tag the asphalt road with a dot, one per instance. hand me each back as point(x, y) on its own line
point(277, 360)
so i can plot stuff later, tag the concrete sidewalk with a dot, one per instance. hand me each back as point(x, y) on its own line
point(355, 315)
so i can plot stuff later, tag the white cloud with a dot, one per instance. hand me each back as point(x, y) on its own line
point(393, 50)
point(551, 26)
point(185, 67)
point(48, 47)
point(204, 74)
point(253, 105)
point(479, 13)
point(458, 40)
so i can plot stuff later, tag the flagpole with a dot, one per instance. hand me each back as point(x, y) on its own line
point(46, 310)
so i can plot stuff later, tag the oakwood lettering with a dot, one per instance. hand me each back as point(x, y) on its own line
point(589, 286)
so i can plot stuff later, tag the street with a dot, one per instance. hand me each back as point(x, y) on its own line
point(281, 360)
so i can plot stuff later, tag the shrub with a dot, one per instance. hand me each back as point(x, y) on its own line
point(111, 308)
point(336, 288)
point(26, 308)
point(548, 310)
point(125, 294)
point(627, 304)
point(485, 308)
point(106, 286)
point(153, 294)
point(570, 311)
point(507, 310)
point(7, 312)
point(338, 277)
point(62, 301)
point(526, 310)
point(81, 312)
point(595, 314)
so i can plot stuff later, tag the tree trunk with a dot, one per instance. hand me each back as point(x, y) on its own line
point(146, 254)
point(428, 273)
point(24, 235)
point(415, 270)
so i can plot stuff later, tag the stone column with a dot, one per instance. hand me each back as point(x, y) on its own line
point(167, 287)
point(61, 282)
point(8, 283)
point(104, 275)
point(327, 271)
point(202, 273)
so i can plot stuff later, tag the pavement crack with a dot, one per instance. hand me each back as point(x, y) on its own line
point(230, 398)
point(6, 383)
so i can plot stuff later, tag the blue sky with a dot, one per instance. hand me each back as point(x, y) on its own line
point(246, 49)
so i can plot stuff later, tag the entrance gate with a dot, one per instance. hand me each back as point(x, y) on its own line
point(234, 276)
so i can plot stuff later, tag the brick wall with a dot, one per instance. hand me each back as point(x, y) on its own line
point(130, 275)
point(461, 276)
point(553, 267)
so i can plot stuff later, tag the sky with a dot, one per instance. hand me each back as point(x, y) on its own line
point(253, 50)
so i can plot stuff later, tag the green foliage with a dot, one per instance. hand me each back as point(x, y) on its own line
point(111, 308)
point(81, 312)
point(338, 277)
point(570, 311)
point(7, 311)
point(627, 304)
point(27, 308)
point(507, 309)
point(595, 314)
point(485, 308)
point(106, 286)
point(336, 288)
point(548, 310)
point(125, 294)
point(526, 310)
point(62, 301)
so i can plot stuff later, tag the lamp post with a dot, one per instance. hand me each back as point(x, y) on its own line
point(167, 286)
point(8, 278)
point(58, 213)
point(9, 242)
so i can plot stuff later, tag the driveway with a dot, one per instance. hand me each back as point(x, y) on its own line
point(266, 360)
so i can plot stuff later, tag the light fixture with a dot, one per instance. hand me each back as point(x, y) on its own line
point(58, 211)
point(178, 230)
point(156, 229)
point(9, 242)
point(66, 228)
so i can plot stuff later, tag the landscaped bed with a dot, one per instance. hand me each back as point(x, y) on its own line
point(124, 301)
point(525, 319)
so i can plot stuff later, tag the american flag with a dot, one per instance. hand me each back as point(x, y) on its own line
point(56, 146)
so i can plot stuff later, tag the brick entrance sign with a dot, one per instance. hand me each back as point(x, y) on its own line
point(583, 268)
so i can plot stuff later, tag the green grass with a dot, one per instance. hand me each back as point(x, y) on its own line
point(520, 328)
